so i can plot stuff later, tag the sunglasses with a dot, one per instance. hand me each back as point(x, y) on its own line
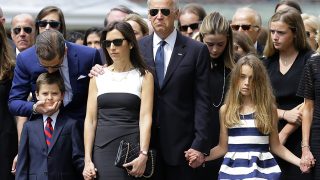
point(115, 42)
point(154, 12)
point(244, 27)
point(17, 30)
point(52, 67)
point(53, 24)
point(193, 26)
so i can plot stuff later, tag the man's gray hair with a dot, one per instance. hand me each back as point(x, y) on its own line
point(175, 4)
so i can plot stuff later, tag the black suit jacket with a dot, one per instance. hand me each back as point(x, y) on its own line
point(64, 159)
point(181, 105)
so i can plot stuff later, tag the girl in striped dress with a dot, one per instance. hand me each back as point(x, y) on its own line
point(248, 126)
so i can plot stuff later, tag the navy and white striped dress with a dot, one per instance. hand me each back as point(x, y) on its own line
point(248, 155)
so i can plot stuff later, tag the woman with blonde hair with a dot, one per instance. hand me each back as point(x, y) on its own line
point(216, 33)
point(138, 24)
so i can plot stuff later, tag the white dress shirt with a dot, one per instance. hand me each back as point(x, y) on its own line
point(53, 117)
point(168, 48)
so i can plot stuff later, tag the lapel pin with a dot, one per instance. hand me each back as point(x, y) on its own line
point(179, 54)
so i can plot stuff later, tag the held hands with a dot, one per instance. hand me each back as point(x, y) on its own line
point(137, 167)
point(307, 160)
point(294, 115)
point(96, 70)
point(194, 157)
point(89, 171)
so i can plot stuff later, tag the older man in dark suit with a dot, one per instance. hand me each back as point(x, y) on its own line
point(181, 105)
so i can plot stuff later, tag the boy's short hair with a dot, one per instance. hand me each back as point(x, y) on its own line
point(50, 78)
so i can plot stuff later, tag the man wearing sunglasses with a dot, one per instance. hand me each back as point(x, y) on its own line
point(22, 32)
point(52, 53)
point(181, 94)
point(248, 21)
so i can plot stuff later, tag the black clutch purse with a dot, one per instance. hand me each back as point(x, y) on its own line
point(128, 151)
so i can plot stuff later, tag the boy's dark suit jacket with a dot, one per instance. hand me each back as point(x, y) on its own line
point(64, 159)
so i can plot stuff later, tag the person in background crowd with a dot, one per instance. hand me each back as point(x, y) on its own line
point(117, 14)
point(139, 25)
point(92, 37)
point(2, 21)
point(248, 21)
point(312, 27)
point(22, 32)
point(242, 45)
point(309, 90)
point(119, 106)
point(216, 33)
point(190, 18)
point(50, 17)
point(248, 122)
point(286, 52)
point(8, 130)
point(283, 4)
point(75, 37)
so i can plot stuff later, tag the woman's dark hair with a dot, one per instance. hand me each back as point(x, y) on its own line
point(126, 30)
point(92, 30)
point(6, 56)
point(48, 10)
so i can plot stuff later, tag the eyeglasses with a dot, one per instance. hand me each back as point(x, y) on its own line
point(54, 66)
point(154, 12)
point(53, 24)
point(17, 30)
point(244, 27)
point(115, 42)
point(193, 26)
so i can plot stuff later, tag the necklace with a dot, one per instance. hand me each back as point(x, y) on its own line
point(120, 76)
point(224, 84)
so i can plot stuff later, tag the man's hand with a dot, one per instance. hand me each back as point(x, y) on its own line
point(194, 157)
point(96, 70)
point(42, 107)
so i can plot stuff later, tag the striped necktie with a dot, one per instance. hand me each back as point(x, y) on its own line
point(159, 62)
point(48, 131)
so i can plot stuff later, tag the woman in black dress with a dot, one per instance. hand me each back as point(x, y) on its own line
point(216, 33)
point(8, 131)
point(286, 53)
point(119, 107)
point(309, 89)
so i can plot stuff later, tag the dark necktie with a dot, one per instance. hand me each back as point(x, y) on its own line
point(48, 131)
point(159, 62)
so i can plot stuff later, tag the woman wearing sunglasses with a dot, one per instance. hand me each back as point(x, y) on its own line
point(119, 107)
point(216, 33)
point(190, 18)
point(50, 17)
point(286, 53)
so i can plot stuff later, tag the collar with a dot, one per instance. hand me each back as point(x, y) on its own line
point(53, 117)
point(171, 39)
point(17, 51)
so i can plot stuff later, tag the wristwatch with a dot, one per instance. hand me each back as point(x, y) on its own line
point(144, 153)
point(34, 109)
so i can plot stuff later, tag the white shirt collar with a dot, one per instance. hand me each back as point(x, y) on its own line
point(171, 39)
point(17, 52)
point(53, 117)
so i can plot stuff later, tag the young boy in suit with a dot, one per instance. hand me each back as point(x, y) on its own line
point(51, 146)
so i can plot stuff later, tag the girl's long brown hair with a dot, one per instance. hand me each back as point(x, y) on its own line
point(261, 95)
